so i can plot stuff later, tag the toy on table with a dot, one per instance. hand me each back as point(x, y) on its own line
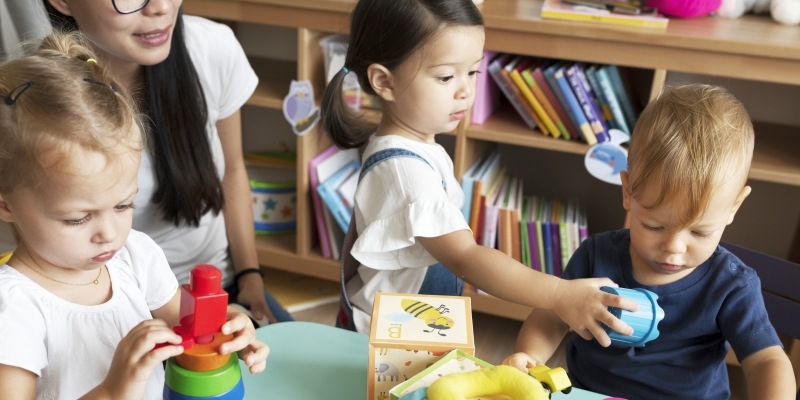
point(200, 372)
point(644, 322)
point(500, 380)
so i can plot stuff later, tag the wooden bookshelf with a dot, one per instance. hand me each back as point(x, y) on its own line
point(750, 48)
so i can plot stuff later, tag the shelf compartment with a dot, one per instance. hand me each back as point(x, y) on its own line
point(274, 77)
point(279, 252)
point(505, 126)
point(775, 155)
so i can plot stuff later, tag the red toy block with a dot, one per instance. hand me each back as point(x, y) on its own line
point(204, 305)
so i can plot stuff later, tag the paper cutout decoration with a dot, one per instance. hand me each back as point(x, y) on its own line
point(607, 159)
point(299, 107)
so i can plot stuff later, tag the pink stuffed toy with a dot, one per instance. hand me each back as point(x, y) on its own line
point(685, 8)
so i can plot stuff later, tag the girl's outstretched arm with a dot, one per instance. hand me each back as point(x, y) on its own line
point(579, 303)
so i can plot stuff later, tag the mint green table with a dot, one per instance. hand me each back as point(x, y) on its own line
point(310, 361)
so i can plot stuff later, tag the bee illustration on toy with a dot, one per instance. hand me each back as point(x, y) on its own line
point(432, 316)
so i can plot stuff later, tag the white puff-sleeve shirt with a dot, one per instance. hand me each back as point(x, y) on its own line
point(397, 201)
point(70, 346)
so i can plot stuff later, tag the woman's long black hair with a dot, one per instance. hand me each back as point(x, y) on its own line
point(187, 184)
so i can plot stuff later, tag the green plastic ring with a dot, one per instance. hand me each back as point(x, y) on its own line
point(203, 383)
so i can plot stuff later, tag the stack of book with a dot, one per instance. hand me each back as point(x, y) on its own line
point(538, 232)
point(333, 175)
point(564, 99)
point(611, 12)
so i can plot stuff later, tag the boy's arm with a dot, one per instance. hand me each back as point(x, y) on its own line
point(769, 375)
point(539, 337)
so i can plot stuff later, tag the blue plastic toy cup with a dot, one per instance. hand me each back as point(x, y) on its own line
point(644, 322)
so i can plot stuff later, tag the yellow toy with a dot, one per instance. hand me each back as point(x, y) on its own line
point(502, 381)
point(553, 379)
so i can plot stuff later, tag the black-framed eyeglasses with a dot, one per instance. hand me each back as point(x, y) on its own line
point(129, 6)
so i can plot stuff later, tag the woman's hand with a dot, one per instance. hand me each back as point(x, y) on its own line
point(135, 358)
point(584, 307)
point(251, 350)
point(251, 294)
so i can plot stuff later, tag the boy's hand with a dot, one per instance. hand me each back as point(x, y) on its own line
point(251, 350)
point(584, 307)
point(521, 361)
point(136, 357)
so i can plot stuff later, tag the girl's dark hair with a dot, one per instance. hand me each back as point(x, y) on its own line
point(385, 32)
point(187, 184)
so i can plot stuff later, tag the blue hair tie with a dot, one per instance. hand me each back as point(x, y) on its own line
point(345, 70)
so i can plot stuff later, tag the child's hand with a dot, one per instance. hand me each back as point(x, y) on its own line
point(584, 307)
point(136, 357)
point(521, 361)
point(251, 350)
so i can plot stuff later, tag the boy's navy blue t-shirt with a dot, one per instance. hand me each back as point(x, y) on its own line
point(719, 301)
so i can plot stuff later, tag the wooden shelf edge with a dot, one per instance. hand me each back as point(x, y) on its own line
point(488, 304)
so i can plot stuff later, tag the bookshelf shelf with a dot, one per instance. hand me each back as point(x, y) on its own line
point(274, 78)
point(749, 48)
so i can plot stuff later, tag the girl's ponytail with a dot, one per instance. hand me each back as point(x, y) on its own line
point(344, 126)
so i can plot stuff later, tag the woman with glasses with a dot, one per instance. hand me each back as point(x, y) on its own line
point(190, 77)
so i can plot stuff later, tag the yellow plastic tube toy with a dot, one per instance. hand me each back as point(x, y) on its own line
point(498, 380)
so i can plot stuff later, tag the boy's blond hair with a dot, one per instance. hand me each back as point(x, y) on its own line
point(686, 144)
point(54, 100)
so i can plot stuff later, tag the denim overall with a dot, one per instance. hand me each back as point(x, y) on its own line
point(438, 279)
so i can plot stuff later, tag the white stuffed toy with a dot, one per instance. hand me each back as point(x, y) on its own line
point(786, 12)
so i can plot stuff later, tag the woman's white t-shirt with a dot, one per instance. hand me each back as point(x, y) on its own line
point(228, 81)
point(396, 201)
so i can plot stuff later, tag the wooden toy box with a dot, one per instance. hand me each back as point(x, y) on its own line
point(410, 332)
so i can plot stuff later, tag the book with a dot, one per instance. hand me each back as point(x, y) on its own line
point(564, 11)
point(594, 99)
point(547, 126)
point(487, 93)
point(481, 186)
point(510, 91)
point(332, 199)
point(575, 83)
point(296, 292)
point(316, 201)
point(605, 109)
point(572, 104)
point(614, 105)
point(468, 182)
point(622, 95)
point(505, 72)
point(561, 129)
point(541, 80)
point(496, 188)
point(325, 167)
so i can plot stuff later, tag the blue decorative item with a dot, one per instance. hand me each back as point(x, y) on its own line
point(606, 160)
point(644, 322)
